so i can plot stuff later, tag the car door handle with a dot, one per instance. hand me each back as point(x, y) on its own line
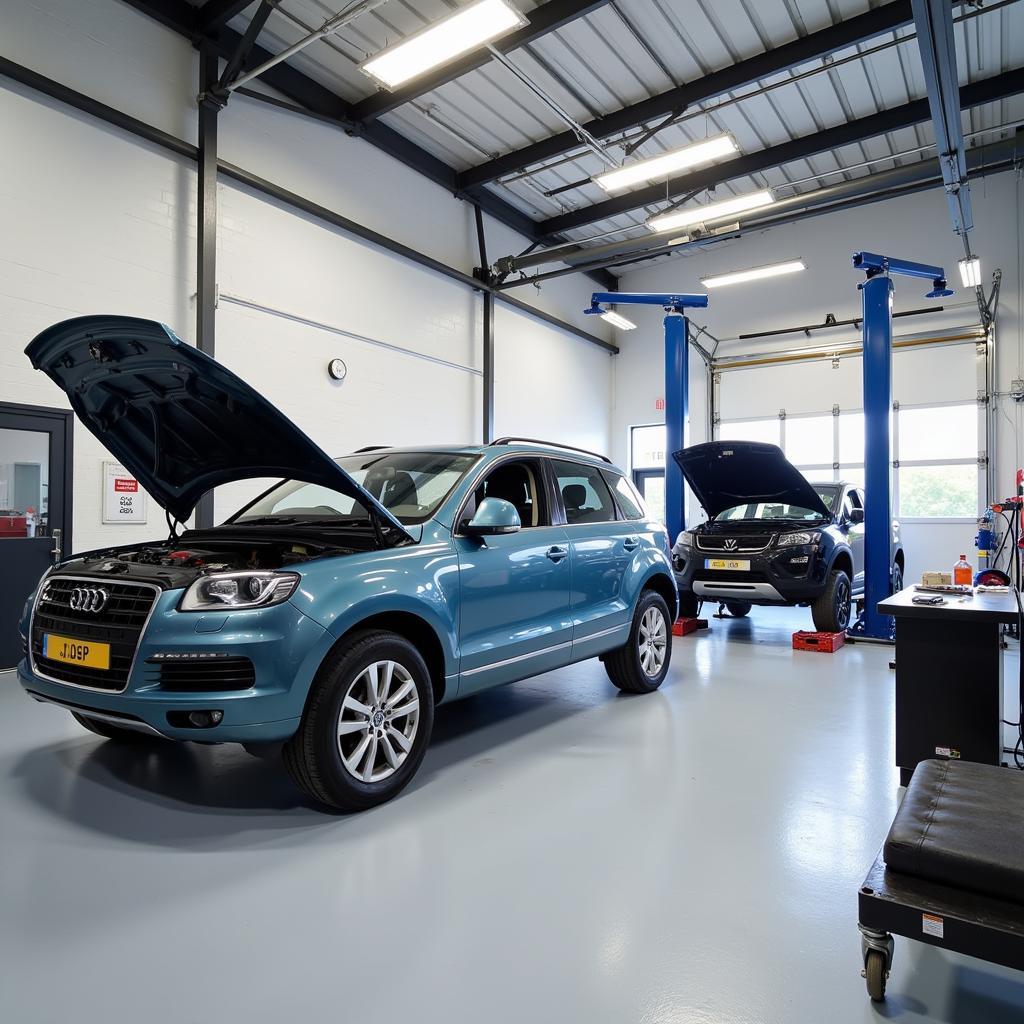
point(631, 543)
point(556, 554)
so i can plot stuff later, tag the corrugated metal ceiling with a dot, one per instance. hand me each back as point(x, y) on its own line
point(629, 50)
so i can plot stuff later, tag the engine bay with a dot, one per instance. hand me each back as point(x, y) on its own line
point(176, 562)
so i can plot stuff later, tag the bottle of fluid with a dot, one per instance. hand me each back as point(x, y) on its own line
point(962, 572)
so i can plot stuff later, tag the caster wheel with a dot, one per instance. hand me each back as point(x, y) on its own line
point(875, 975)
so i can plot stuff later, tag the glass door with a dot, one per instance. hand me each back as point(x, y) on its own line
point(35, 508)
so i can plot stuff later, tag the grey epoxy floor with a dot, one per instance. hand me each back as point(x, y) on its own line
point(566, 854)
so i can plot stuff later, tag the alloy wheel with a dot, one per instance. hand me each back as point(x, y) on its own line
point(652, 642)
point(378, 720)
point(843, 603)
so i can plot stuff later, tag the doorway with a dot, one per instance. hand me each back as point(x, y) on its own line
point(35, 507)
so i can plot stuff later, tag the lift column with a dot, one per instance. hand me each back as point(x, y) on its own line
point(677, 383)
point(677, 417)
point(877, 305)
point(877, 292)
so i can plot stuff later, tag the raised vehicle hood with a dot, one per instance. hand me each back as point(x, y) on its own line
point(726, 473)
point(177, 419)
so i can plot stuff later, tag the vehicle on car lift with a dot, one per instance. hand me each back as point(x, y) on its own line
point(337, 609)
point(772, 537)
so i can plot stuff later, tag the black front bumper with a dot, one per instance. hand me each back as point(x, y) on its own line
point(775, 576)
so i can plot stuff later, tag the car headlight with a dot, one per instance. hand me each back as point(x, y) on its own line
point(223, 590)
point(788, 540)
point(685, 539)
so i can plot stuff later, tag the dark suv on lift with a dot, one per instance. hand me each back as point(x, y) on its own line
point(772, 538)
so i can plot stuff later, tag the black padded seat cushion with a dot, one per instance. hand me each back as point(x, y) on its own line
point(962, 824)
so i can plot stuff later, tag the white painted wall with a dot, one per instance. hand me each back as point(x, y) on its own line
point(915, 227)
point(96, 221)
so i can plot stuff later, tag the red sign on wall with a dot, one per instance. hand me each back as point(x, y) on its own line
point(126, 484)
point(659, 404)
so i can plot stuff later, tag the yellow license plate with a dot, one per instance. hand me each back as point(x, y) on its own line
point(87, 653)
point(733, 564)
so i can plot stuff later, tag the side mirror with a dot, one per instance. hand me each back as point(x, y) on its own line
point(494, 516)
point(856, 516)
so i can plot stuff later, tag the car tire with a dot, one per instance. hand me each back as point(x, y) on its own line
point(738, 608)
point(831, 609)
point(897, 578)
point(689, 605)
point(109, 731)
point(641, 663)
point(368, 700)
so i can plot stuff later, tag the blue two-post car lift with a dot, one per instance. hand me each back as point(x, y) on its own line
point(677, 383)
point(877, 292)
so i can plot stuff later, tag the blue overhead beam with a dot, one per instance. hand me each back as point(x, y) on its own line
point(934, 22)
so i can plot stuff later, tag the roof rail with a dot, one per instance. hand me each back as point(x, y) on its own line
point(372, 448)
point(549, 444)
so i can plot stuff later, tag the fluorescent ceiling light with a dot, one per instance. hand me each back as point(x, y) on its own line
point(663, 165)
point(617, 321)
point(466, 29)
point(970, 271)
point(753, 274)
point(711, 211)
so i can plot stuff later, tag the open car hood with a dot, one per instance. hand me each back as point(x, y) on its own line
point(726, 473)
point(178, 420)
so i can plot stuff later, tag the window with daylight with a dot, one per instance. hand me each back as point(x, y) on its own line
point(751, 430)
point(935, 449)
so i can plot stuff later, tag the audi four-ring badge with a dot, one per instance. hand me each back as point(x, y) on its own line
point(88, 599)
point(332, 613)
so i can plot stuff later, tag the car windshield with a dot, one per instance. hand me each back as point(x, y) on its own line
point(410, 485)
point(768, 510)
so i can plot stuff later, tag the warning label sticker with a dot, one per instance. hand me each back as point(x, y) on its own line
point(931, 925)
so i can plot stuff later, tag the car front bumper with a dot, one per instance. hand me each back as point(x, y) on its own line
point(284, 645)
point(777, 576)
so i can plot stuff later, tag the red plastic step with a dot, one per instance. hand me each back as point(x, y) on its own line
point(823, 643)
point(683, 626)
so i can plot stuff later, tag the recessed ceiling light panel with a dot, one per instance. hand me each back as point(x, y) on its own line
point(662, 166)
point(437, 44)
point(711, 211)
point(753, 274)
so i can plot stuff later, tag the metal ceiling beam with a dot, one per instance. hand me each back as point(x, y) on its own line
point(215, 13)
point(746, 72)
point(873, 188)
point(976, 93)
point(321, 101)
point(938, 60)
point(542, 20)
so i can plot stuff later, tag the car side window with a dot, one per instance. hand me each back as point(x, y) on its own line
point(626, 494)
point(519, 482)
point(585, 494)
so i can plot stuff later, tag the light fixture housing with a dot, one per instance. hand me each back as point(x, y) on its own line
point(753, 274)
point(617, 320)
point(661, 166)
point(466, 29)
point(970, 271)
point(711, 211)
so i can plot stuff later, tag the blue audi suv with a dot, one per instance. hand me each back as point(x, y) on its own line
point(331, 615)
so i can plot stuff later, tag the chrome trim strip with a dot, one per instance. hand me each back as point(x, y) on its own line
point(91, 579)
point(136, 725)
point(763, 591)
point(512, 661)
point(545, 650)
point(604, 632)
point(732, 551)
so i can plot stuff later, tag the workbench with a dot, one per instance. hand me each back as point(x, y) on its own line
point(949, 677)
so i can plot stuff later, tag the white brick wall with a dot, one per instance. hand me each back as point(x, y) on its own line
point(96, 221)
